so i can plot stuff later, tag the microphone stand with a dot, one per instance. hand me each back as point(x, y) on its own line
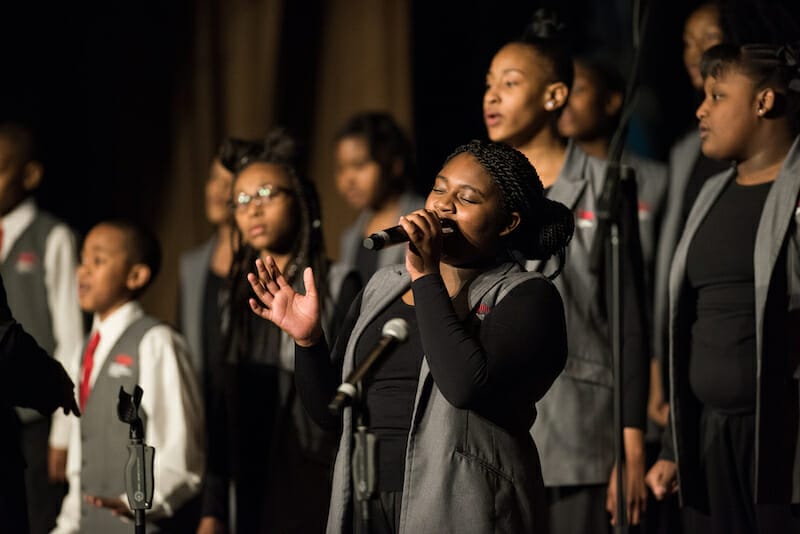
point(607, 243)
point(363, 464)
point(139, 468)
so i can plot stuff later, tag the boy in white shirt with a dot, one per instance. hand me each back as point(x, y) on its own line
point(119, 260)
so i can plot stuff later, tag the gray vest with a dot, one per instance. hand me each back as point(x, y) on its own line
point(104, 438)
point(23, 273)
point(462, 472)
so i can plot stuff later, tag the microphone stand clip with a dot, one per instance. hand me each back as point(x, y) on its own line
point(139, 467)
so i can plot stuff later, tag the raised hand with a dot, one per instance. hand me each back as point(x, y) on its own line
point(292, 312)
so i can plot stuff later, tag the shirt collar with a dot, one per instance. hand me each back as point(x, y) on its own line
point(115, 324)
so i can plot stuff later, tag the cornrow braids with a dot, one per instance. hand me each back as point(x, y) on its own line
point(546, 226)
point(278, 148)
point(767, 65)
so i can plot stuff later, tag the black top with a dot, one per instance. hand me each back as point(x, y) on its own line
point(476, 365)
point(366, 263)
point(391, 388)
point(719, 266)
point(703, 169)
point(213, 299)
point(252, 429)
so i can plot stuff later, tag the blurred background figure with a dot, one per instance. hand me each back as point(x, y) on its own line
point(38, 255)
point(375, 176)
point(262, 442)
point(204, 272)
point(527, 88)
point(590, 118)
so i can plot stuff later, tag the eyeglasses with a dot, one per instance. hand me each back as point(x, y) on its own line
point(264, 195)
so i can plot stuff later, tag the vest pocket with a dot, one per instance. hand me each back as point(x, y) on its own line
point(483, 464)
point(588, 371)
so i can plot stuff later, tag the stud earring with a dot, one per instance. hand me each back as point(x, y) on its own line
point(549, 104)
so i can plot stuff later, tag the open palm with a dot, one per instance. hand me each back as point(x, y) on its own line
point(292, 312)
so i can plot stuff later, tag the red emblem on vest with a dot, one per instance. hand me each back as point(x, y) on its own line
point(124, 359)
point(26, 261)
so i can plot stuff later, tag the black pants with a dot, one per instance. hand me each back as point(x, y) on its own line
point(13, 504)
point(727, 458)
point(44, 498)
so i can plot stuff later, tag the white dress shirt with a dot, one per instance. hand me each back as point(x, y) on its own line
point(61, 283)
point(174, 416)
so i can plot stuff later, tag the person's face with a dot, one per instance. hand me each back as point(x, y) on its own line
point(701, 32)
point(464, 194)
point(269, 221)
point(728, 115)
point(12, 189)
point(218, 193)
point(514, 106)
point(358, 176)
point(584, 116)
point(104, 271)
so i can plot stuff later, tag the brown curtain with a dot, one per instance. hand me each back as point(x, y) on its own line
point(231, 85)
point(365, 64)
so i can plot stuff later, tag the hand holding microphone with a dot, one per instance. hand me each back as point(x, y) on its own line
point(396, 235)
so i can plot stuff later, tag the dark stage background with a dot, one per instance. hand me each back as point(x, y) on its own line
point(130, 101)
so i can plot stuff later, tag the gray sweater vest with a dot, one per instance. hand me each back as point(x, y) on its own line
point(462, 473)
point(23, 274)
point(104, 438)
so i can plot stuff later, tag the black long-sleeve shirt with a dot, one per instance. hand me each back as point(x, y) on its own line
point(498, 367)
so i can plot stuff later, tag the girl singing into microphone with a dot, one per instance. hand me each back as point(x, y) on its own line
point(452, 405)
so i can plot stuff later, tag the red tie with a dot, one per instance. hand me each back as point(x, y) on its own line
point(88, 363)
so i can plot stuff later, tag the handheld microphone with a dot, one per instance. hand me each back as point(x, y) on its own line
point(394, 331)
point(396, 236)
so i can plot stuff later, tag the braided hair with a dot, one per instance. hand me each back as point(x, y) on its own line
point(546, 226)
point(308, 250)
point(767, 65)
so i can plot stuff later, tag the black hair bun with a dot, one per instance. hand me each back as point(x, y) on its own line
point(558, 226)
point(280, 147)
point(789, 55)
point(234, 153)
point(545, 25)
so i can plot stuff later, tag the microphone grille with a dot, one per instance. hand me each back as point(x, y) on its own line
point(396, 328)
